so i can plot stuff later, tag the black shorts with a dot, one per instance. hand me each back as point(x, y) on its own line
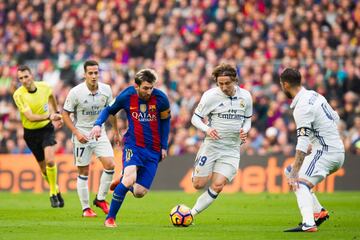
point(38, 139)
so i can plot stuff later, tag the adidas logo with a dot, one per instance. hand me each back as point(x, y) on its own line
point(85, 101)
point(221, 105)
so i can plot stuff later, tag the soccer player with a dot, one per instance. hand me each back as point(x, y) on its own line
point(228, 109)
point(86, 101)
point(146, 140)
point(316, 125)
point(32, 100)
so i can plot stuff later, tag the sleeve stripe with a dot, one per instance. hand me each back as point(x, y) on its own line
point(199, 116)
point(248, 116)
point(68, 110)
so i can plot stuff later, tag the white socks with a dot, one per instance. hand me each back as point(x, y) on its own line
point(105, 181)
point(305, 203)
point(316, 204)
point(83, 191)
point(204, 201)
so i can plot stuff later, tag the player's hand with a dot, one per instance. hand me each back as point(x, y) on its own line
point(163, 154)
point(211, 132)
point(57, 124)
point(293, 180)
point(95, 132)
point(55, 117)
point(81, 137)
point(243, 136)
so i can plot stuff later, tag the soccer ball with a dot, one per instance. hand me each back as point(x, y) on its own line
point(180, 216)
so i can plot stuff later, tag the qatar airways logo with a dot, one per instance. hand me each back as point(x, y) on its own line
point(144, 117)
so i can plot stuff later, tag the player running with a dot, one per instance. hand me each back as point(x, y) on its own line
point(228, 109)
point(145, 142)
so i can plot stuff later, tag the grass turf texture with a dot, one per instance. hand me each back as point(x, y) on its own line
point(231, 216)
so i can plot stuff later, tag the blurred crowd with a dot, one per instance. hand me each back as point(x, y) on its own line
point(183, 41)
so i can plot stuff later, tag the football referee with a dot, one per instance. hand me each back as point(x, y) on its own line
point(32, 100)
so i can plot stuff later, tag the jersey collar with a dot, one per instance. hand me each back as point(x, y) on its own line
point(89, 92)
point(230, 97)
point(297, 97)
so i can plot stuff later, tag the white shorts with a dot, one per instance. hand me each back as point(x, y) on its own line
point(318, 165)
point(83, 152)
point(214, 156)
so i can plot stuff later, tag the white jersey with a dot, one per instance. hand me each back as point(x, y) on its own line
point(87, 106)
point(226, 114)
point(315, 118)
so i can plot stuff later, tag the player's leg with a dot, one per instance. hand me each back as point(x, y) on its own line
point(314, 169)
point(317, 207)
point(105, 181)
point(51, 169)
point(330, 163)
point(145, 176)
point(128, 180)
point(304, 196)
point(48, 144)
point(218, 181)
point(83, 191)
point(203, 166)
point(82, 154)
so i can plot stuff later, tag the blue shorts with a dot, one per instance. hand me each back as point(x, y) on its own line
point(146, 160)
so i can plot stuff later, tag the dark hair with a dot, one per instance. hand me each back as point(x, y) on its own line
point(291, 76)
point(23, 68)
point(90, 63)
point(224, 70)
point(145, 75)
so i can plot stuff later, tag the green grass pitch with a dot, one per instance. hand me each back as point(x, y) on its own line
point(232, 216)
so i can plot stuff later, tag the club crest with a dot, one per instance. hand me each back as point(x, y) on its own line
point(128, 154)
point(242, 103)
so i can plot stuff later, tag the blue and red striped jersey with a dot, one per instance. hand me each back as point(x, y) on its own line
point(149, 121)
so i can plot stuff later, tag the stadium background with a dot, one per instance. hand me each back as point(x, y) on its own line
point(183, 41)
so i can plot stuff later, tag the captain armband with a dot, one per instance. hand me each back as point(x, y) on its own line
point(303, 131)
point(165, 114)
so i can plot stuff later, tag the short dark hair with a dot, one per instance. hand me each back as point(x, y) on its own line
point(291, 76)
point(90, 63)
point(145, 75)
point(23, 68)
point(224, 70)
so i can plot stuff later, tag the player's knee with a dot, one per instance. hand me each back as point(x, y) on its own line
point(140, 194)
point(217, 187)
point(50, 163)
point(198, 185)
point(128, 181)
point(110, 166)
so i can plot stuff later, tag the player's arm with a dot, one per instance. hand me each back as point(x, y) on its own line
point(70, 104)
point(26, 110)
point(54, 105)
point(69, 123)
point(247, 119)
point(303, 118)
point(201, 110)
point(164, 126)
point(115, 106)
point(113, 122)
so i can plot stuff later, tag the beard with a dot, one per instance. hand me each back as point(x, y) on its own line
point(288, 95)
